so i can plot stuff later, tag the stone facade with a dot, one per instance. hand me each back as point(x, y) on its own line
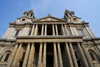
point(49, 42)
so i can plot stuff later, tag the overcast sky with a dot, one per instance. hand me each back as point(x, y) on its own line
point(88, 10)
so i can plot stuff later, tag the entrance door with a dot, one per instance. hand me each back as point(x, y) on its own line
point(49, 60)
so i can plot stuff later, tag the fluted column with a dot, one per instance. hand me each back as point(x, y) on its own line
point(55, 55)
point(66, 30)
point(23, 33)
point(40, 55)
point(53, 29)
point(69, 55)
point(31, 57)
point(17, 55)
point(92, 31)
point(26, 55)
point(87, 56)
point(89, 32)
point(83, 56)
point(44, 56)
point(12, 56)
point(88, 35)
point(32, 33)
point(59, 53)
point(73, 55)
point(11, 32)
point(36, 30)
point(45, 29)
point(42, 30)
point(26, 31)
point(85, 33)
point(72, 31)
point(63, 31)
point(56, 29)
point(76, 32)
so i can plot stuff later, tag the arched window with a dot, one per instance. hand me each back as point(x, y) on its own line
point(17, 32)
point(92, 56)
point(7, 56)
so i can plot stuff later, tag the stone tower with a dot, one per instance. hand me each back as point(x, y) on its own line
point(49, 42)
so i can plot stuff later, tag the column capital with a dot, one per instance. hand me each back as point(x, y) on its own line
point(86, 25)
point(45, 42)
point(20, 43)
point(58, 42)
point(29, 43)
point(32, 42)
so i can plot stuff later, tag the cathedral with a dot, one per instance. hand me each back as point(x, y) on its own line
point(49, 42)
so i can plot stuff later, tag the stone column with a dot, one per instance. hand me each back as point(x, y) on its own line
point(56, 29)
point(23, 33)
point(72, 31)
point(17, 55)
point(66, 30)
point(45, 29)
point(32, 33)
point(73, 55)
point(26, 31)
point(91, 31)
point(31, 57)
point(11, 32)
point(76, 32)
point(69, 55)
point(40, 55)
point(26, 55)
point(83, 56)
point(60, 57)
point(63, 31)
point(87, 33)
point(55, 55)
point(12, 56)
point(53, 29)
point(44, 55)
point(87, 56)
point(42, 30)
point(36, 30)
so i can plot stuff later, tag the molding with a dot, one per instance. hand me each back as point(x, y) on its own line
point(49, 37)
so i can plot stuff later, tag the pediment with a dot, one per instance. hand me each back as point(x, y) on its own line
point(49, 18)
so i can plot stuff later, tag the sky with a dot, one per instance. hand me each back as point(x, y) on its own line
point(87, 10)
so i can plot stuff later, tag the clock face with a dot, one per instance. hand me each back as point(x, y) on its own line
point(75, 19)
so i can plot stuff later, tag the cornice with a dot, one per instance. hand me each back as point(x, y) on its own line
point(49, 37)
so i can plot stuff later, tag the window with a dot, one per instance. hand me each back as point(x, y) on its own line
point(23, 19)
point(31, 15)
point(81, 32)
point(17, 33)
point(92, 56)
point(30, 32)
point(66, 15)
point(7, 56)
